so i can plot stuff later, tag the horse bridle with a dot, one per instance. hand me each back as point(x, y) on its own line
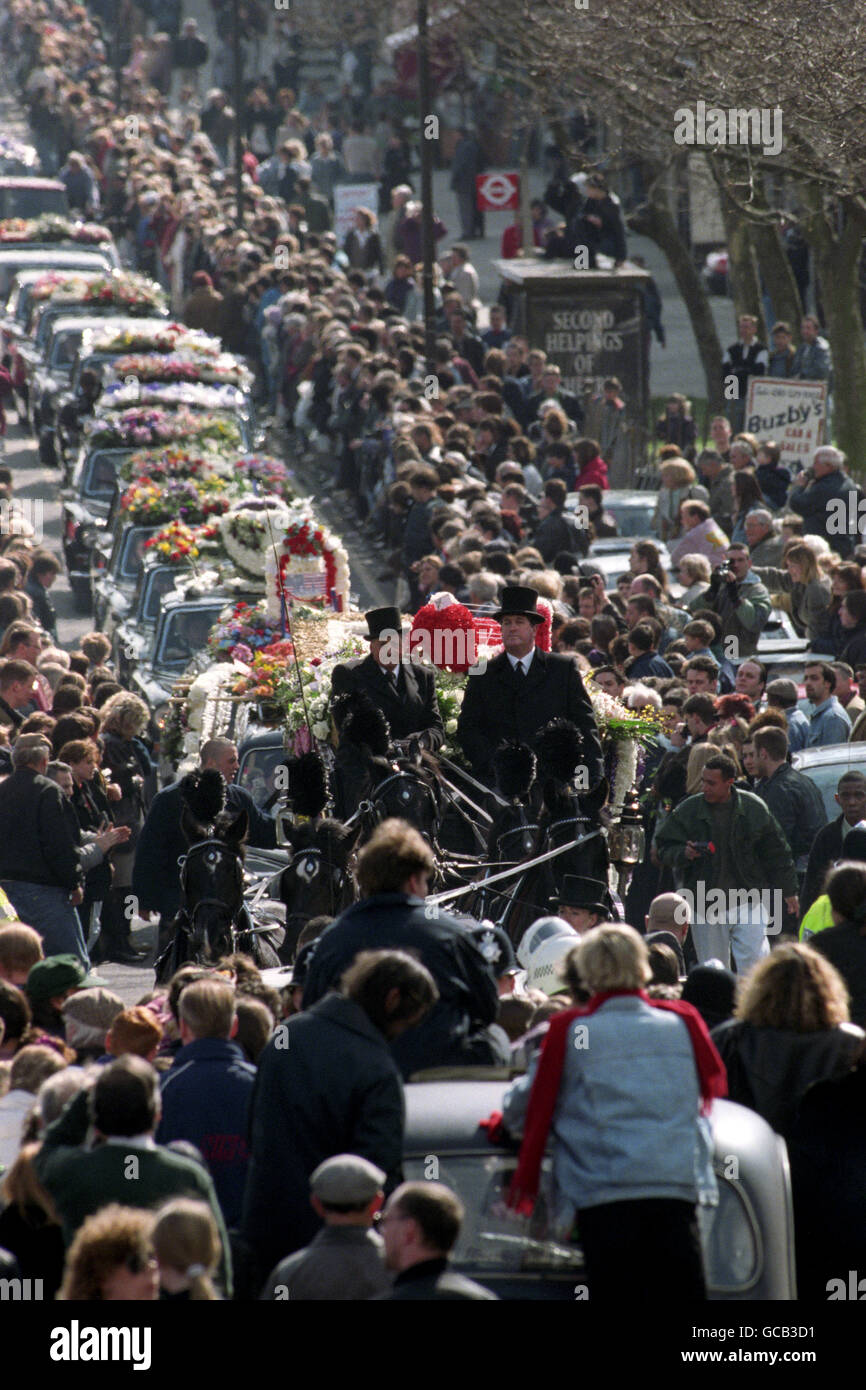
point(315, 852)
point(223, 850)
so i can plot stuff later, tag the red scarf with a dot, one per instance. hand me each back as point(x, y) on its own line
point(712, 1079)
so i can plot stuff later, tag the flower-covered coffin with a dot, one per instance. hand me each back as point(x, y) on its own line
point(308, 563)
point(51, 227)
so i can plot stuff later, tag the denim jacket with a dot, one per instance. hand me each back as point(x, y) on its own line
point(627, 1122)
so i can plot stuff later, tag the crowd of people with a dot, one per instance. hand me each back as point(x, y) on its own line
point(265, 1124)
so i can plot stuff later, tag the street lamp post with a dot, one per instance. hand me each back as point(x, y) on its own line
point(425, 103)
point(237, 99)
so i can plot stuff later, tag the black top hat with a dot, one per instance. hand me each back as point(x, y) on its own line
point(519, 601)
point(589, 893)
point(381, 620)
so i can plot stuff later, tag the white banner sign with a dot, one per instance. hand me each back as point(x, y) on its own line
point(347, 197)
point(791, 413)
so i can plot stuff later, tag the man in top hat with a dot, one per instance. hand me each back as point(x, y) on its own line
point(583, 903)
point(403, 690)
point(521, 690)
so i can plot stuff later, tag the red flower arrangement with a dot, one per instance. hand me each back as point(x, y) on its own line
point(307, 540)
point(447, 637)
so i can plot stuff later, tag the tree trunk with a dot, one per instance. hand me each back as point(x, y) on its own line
point(837, 261)
point(742, 258)
point(657, 220)
point(776, 271)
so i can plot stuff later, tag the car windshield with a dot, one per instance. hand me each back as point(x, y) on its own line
point(156, 583)
point(32, 202)
point(100, 476)
point(493, 1241)
point(126, 564)
point(64, 348)
point(257, 771)
point(94, 362)
point(633, 519)
point(184, 634)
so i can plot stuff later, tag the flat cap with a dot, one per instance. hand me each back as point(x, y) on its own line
point(346, 1180)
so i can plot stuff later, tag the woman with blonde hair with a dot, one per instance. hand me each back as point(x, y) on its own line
point(809, 591)
point(111, 1258)
point(632, 1150)
point(694, 572)
point(187, 1245)
point(790, 1028)
point(679, 482)
point(699, 756)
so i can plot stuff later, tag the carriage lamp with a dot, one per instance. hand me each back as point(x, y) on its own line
point(626, 839)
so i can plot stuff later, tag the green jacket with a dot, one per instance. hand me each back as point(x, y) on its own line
point(758, 847)
point(82, 1181)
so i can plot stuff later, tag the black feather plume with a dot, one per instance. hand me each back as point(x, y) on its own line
point(559, 747)
point(345, 704)
point(514, 769)
point(367, 725)
point(204, 793)
point(308, 784)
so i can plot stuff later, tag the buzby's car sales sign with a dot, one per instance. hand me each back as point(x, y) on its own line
point(792, 413)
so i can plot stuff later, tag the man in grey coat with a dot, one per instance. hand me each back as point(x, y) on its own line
point(345, 1261)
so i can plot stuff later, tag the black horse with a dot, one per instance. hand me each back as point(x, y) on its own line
point(373, 780)
point(544, 811)
point(213, 920)
point(318, 881)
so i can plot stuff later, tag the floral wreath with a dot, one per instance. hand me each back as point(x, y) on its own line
point(307, 538)
point(247, 530)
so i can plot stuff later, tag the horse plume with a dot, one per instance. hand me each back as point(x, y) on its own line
point(367, 725)
point(514, 769)
point(559, 747)
point(345, 704)
point(308, 784)
point(204, 793)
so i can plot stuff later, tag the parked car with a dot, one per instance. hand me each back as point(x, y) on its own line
point(632, 510)
point(824, 766)
point(748, 1239)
